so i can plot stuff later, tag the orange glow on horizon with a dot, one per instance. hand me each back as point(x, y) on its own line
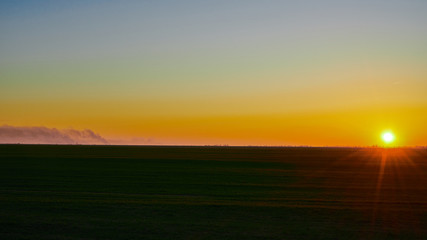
point(357, 127)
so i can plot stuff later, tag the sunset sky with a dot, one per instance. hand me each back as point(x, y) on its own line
point(319, 73)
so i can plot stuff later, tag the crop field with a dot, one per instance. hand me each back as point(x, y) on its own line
point(165, 192)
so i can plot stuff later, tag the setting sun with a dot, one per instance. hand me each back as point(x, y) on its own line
point(287, 119)
point(388, 137)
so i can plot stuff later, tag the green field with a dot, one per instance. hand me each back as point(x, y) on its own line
point(133, 192)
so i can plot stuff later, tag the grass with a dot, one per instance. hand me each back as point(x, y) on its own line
point(129, 192)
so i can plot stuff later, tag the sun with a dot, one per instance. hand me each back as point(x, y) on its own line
point(388, 137)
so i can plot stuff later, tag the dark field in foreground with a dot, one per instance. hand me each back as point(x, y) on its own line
point(127, 192)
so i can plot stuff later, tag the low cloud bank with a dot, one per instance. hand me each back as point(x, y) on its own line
point(133, 141)
point(44, 135)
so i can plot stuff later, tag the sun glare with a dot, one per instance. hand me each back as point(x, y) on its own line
point(388, 137)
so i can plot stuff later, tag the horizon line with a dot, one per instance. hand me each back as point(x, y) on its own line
point(209, 145)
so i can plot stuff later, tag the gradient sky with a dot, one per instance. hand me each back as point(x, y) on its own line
point(218, 72)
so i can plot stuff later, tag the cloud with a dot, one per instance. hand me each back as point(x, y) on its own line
point(133, 141)
point(44, 135)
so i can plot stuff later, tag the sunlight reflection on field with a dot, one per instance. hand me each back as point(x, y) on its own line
point(226, 192)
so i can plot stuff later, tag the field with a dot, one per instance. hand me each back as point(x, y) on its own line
point(132, 192)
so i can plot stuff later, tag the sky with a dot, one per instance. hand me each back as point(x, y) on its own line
point(317, 73)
